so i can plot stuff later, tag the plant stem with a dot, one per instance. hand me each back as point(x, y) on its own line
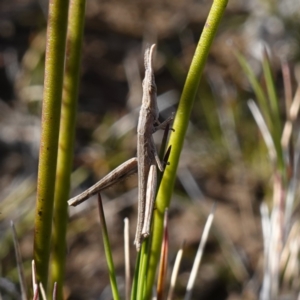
point(180, 125)
point(66, 141)
point(53, 82)
point(108, 252)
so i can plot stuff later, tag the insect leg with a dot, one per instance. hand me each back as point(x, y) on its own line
point(150, 199)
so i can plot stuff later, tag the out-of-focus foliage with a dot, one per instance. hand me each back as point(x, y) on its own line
point(224, 158)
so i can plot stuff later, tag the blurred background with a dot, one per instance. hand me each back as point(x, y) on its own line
point(224, 158)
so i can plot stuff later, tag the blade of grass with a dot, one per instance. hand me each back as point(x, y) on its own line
point(143, 269)
point(289, 203)
point(226, 118)
point(266, 230)
point(276, 237)
point(287, 83)
point(275, 126)
point(191, 282)
point(42, 291)
point(271, 90)
point(292, 113)
point(134, 290)
point(54, 295)
point(53, 83)
point(19, 263)
point(108, 253)
point(259, 93)
point(297, 158)
point(66, 141)
point(127, 259)
point(293, 183)
point(190, 185)
point(35, 286)
point(291, 157)
point(162, 273)
point(264, 131)
point(36, 295)
point(175, 273)
point(177, 138)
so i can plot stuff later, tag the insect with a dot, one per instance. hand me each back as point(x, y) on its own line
point(146, 151)
point(147, 157)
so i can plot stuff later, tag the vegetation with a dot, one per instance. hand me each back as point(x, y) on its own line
point(226, 152)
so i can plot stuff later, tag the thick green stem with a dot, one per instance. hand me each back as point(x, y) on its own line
point(180, 125)
point(54, 68)
point(66, 141)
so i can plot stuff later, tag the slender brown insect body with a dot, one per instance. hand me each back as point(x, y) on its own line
point(145, 147)
point(146, 150)
point(147, 157)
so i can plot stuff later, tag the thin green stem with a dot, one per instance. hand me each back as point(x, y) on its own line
point(180, 126)
point(53, 82)
point(108, 252)
point(134, 289)
point(66, 141)
point(144, 255)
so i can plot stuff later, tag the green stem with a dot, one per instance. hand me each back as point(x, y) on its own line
point(108, 252)
point(144, 255)
point(134, 289)
point(177, 138)
point(66, 141)
point(53, 82)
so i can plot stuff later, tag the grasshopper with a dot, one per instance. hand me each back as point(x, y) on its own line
point(146, 160)
point(146, 151)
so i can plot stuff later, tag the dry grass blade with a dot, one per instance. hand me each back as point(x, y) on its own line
point(287, 83)
point(273, 241)
point(36, 294)
point(264, 131)
point(43, 293)
point(127, 259)
point(222, 93)
point(297, 157)
point(266, 230)
point(35, 286)
point(163, 260)
point(292, 115)
point(191, 282)
point(19, 263)
point(265, 224)
point(54, 295)
point(292, 188)
point(276, 237)
point(289, 258)
point(190, 185)
point(175, 273)
point(289, 204)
